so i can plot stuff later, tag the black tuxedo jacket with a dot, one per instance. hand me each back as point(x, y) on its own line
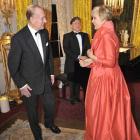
point(25, 62)
point(72, 49)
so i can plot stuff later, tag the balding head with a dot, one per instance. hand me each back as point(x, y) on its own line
point(36, 17)
point(31, 9)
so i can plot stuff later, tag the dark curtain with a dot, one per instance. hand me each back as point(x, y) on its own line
point(96, 2)
point(54, 39)
point(127, 15)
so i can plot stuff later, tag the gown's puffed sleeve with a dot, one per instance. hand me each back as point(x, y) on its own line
point(106, 51)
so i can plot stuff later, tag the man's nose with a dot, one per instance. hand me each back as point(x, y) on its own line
point(45, 20)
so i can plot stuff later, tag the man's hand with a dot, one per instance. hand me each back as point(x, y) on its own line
point(25, 91)
point(52, 79)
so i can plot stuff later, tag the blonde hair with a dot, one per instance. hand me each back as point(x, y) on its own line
point(103, 11)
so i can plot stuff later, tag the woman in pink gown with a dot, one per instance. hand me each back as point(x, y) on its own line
point(107, 104)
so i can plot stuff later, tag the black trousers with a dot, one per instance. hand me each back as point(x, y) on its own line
point(48, 101)
point(74, 90)
point(79, 77)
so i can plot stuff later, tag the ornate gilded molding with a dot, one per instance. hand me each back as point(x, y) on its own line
point(13, 94)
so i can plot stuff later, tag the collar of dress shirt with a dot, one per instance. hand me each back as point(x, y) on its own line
point(32, 30)
point(76, 33)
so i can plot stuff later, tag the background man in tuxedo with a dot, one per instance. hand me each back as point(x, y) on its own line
point(76, 44)
point(31, 67)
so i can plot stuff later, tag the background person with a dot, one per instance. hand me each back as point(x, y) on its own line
point(76, 44)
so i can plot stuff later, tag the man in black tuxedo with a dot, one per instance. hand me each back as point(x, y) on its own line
point(76, 44)
point(30, 64)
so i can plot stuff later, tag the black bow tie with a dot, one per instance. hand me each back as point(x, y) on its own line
point(79, 33)
point(38, 32)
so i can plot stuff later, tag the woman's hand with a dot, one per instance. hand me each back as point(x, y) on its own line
point(83, 57)
point(91, 55)
point(85, 62)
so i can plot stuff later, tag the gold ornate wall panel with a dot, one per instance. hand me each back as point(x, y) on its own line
point(82, 8)
point(21, 7)
point(12, 94)
point(135, 33)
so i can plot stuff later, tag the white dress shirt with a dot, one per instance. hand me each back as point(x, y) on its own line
point(38, 41)
point(79, 37)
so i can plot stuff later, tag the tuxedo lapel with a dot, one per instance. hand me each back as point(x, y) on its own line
point(82, 36)
point(75, 40)
point(32, 44)
point(43, 39)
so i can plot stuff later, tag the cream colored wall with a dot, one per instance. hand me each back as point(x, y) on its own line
point(12, 21)
point(2, 81)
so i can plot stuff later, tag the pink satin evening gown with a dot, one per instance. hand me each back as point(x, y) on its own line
point(107, 104)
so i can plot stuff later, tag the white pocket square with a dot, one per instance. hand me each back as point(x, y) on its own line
point(47, 43)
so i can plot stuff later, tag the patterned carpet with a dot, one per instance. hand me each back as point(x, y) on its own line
point(20, 131)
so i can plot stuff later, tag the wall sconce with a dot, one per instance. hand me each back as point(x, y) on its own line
point(115, 5)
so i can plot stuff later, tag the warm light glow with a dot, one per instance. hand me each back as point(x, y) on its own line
point(7, 7)
point(7, 4)
point(115, 5)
